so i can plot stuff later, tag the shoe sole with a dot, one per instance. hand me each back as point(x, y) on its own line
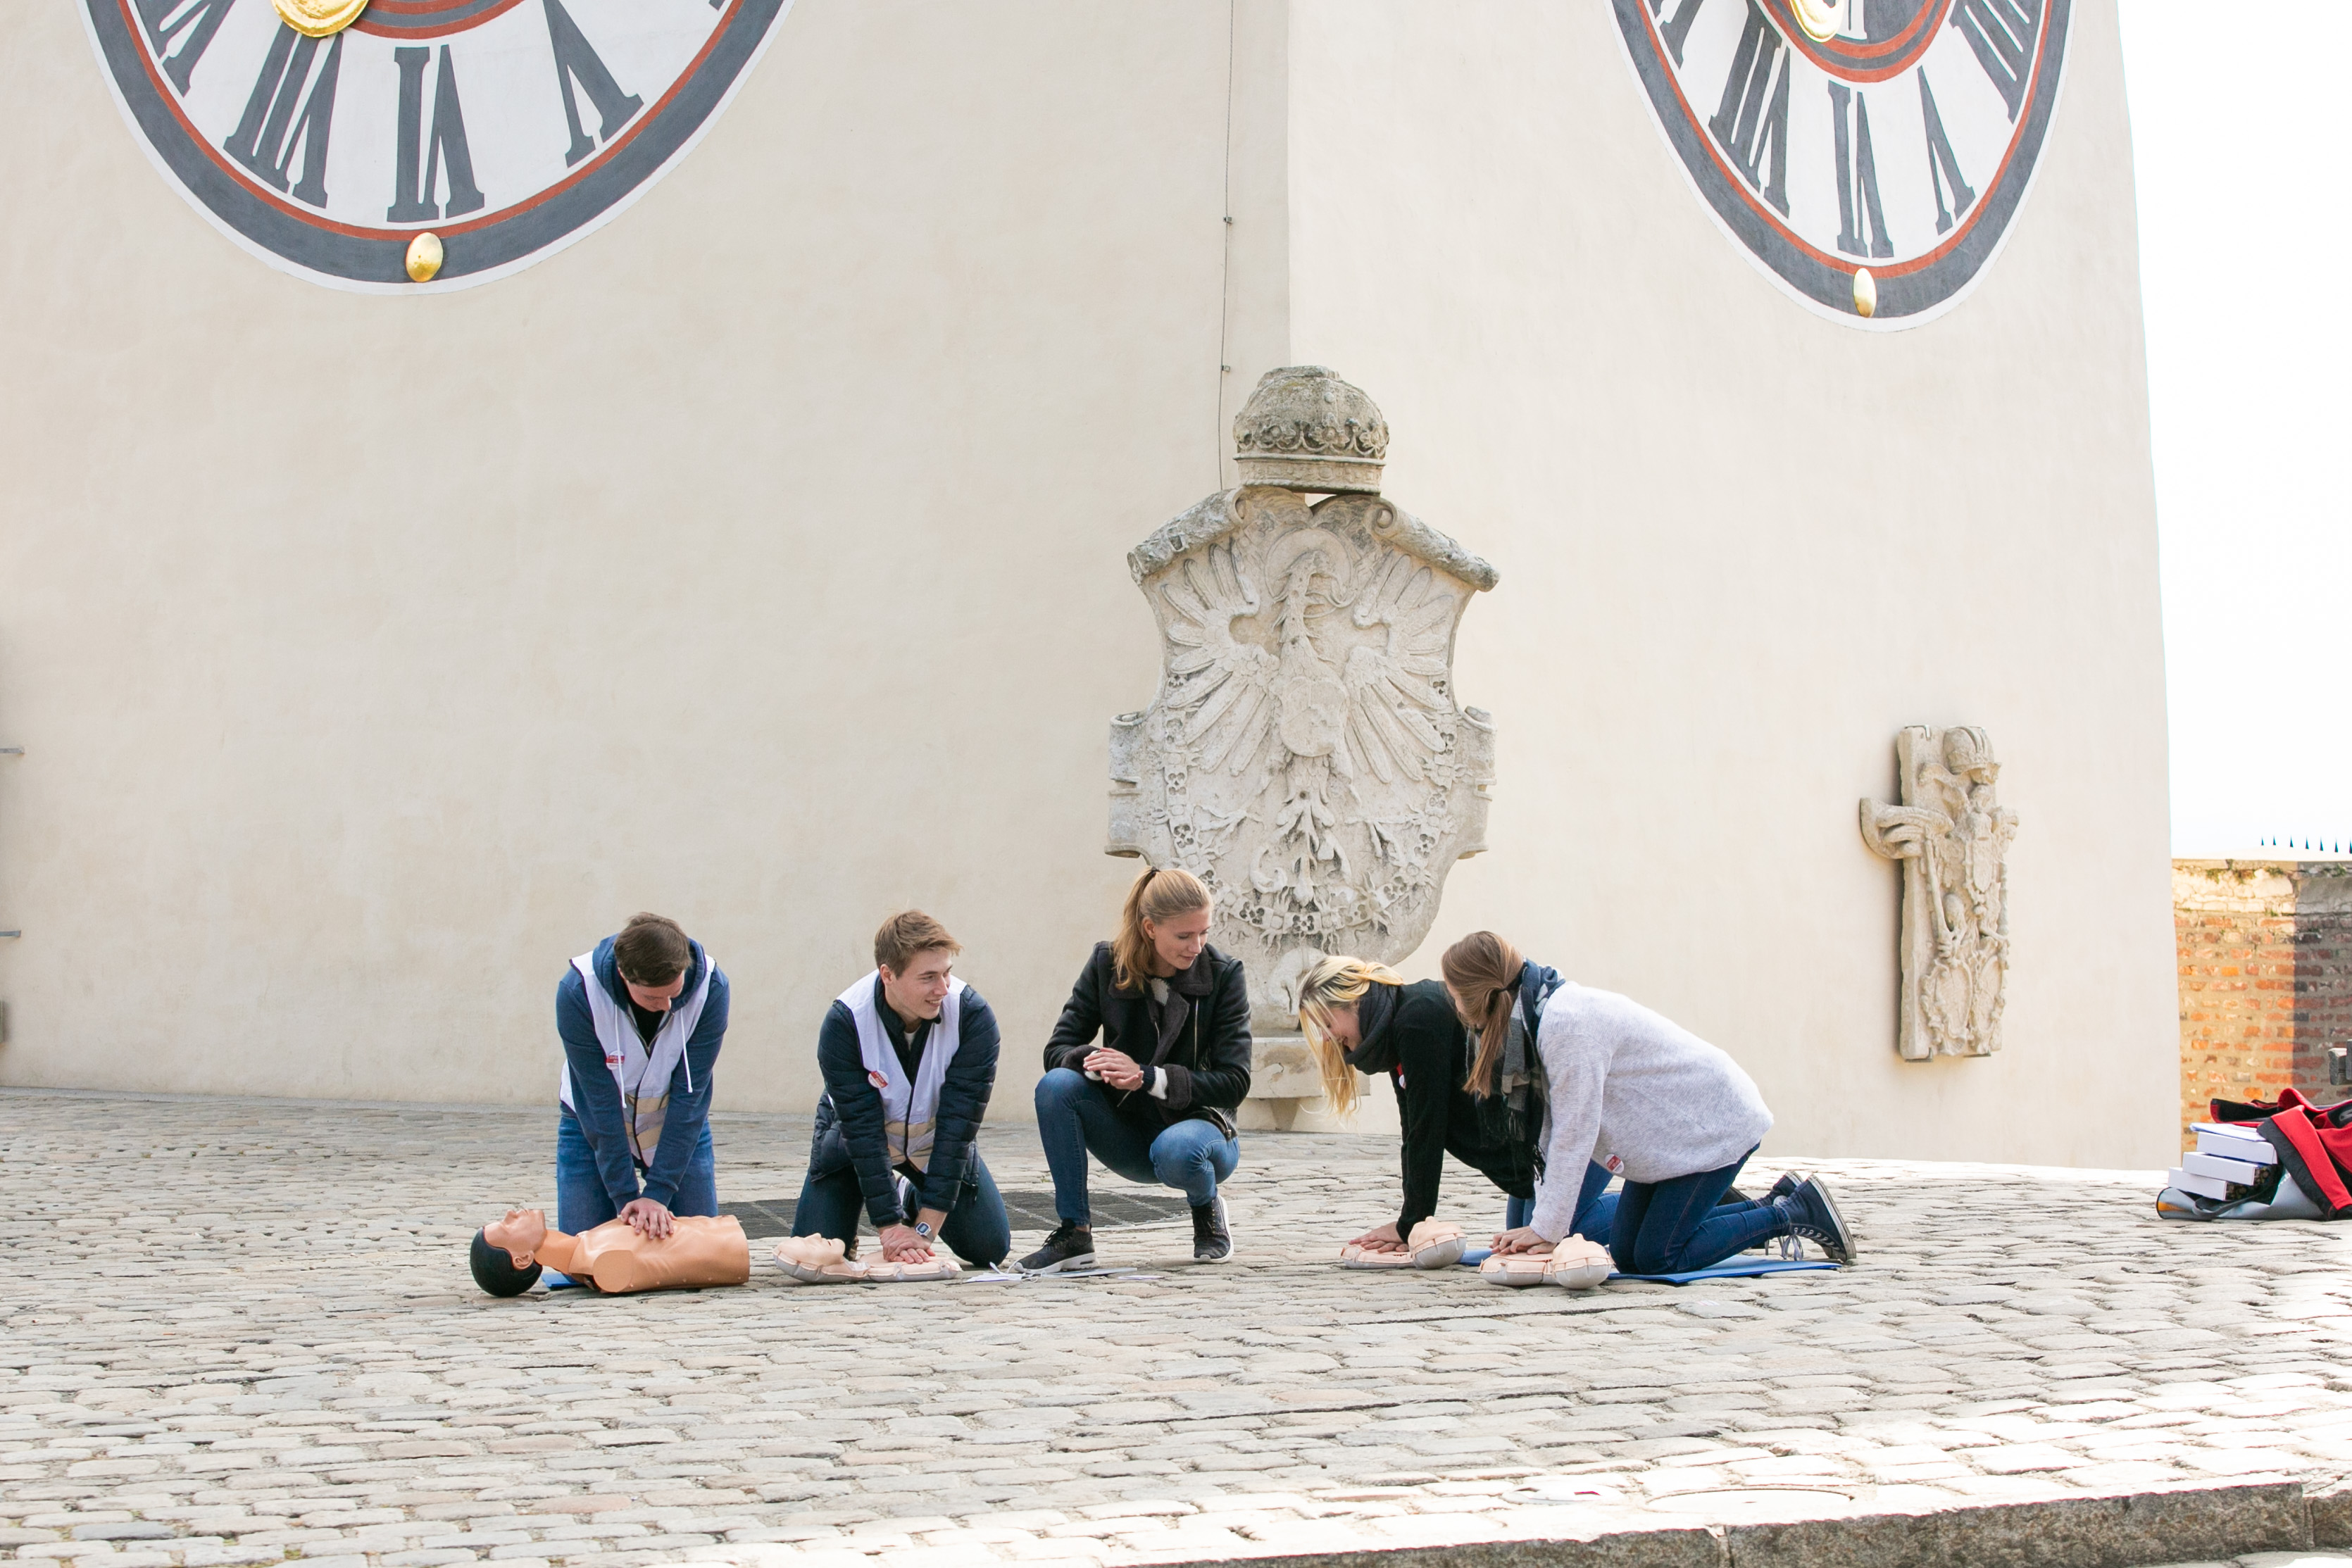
point(1066, 1265)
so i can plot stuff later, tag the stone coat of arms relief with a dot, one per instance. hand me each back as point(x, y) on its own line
point(1952, 836)
point(1305, 755)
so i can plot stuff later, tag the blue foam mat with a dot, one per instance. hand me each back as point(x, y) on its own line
point(1733, 1269)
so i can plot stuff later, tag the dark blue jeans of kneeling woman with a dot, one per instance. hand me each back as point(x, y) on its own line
point(1672, 1227)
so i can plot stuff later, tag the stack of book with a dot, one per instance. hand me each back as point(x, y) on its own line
point(2232, 1158)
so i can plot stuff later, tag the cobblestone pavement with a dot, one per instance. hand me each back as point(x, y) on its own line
point(243, 1331)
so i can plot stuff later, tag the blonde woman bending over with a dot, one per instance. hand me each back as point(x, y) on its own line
point(1154, 1100)
point(1360, 1016)
point(1622, 1088)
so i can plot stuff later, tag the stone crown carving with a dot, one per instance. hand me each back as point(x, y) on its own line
point(1305, 755)
point(1952, 837)
point(1307, 429)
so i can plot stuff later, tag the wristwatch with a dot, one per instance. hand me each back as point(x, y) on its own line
point(922, 1230)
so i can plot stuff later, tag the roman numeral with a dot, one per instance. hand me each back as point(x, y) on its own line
point(2002, 33)
point(1857, 172)
point(576, 61)
point(167, 19)
point(422, 157)
point(1754, 112)
point(1943, 167)
point(1675, 28)
point(281, 121)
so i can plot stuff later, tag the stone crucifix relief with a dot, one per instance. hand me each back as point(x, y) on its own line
point(1305, 755)
point(1952, 837)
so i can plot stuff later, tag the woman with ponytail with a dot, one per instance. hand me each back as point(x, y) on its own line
point(1579, 1083)
point(1154, 1100)
point(1625, 1091)
point(1454, 1097)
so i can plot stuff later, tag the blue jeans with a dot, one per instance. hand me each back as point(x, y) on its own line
point(1075, 1117)
point(1669, 1226)
point(975, 1229)
point(582, 1204)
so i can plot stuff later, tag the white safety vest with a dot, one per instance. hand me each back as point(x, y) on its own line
point(642, 1072)
point(908, 1110)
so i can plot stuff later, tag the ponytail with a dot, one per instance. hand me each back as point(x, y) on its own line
point(1480, 971)
point(1156, 894)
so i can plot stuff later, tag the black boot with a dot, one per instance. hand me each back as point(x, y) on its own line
point(1212, 1239)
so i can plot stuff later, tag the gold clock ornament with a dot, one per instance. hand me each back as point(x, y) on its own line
point(1819, 19)
point(319, 18)
point(424, 257)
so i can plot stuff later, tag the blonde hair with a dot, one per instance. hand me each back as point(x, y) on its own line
point(1480, 970)
point(1330, 985)
point(1155, 896)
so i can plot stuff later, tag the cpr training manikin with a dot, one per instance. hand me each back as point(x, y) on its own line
point(615, 1256)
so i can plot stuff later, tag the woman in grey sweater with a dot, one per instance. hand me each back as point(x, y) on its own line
point(1637, 1094)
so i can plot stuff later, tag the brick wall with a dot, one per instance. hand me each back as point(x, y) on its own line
point(2265, 951)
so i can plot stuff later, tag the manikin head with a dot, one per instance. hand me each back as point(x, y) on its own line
point(501, 1257)
point(1329, 995)
point(915, 955)
point(1162, 927)
point(653, 955)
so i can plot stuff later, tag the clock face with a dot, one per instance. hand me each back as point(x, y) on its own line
point(1830, 136)
point(506, 128)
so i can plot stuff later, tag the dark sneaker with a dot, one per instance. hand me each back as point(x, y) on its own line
point(1813, 1215)
point(1212, 1239)
point(1070, 1247)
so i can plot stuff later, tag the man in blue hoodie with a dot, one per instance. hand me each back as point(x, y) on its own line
point(641, 1019)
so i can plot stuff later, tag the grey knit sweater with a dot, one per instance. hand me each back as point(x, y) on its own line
point(1629, 1084)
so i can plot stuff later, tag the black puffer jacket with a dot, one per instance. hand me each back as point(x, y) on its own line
point(1207, 1060)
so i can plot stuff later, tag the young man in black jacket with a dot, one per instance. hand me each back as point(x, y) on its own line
point(908, 1055)
point(1154, 1101)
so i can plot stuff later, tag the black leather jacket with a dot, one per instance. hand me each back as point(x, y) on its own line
point(1207, 1061)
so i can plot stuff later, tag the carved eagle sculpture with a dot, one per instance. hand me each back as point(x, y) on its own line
point(1304, 754)
point(1343, 677)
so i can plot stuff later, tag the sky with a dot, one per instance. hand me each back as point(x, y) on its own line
point(2245, 228)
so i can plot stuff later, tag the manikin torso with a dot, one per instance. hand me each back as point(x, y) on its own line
point(618, 1260)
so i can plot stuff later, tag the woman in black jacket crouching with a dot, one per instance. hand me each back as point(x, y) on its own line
point(1154, 1101)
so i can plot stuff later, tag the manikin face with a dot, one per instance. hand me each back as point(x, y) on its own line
point(921, 990)
point(655, 999)
point(1178, 941)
